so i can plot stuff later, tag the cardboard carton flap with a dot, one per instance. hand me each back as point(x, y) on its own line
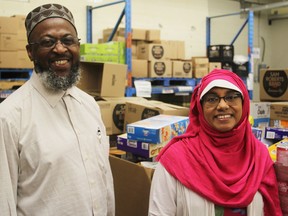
point(132, 187)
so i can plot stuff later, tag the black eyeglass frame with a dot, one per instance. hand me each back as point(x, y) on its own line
point(76, 40)
point(225, 98)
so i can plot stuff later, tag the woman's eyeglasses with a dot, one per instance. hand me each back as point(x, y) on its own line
point(50, 43)
point(213, 100)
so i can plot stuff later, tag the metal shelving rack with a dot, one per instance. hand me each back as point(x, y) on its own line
point(8, 75)
point(128, 32)
point(250, 22)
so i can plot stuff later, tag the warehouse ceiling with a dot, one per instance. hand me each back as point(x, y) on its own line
point(255, 3)
point(258, 5)
point(277, 9)
point(259, 2)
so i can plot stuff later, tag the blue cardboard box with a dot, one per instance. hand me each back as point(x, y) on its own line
point(157, 129)
point(140, 148)
point(276, 133)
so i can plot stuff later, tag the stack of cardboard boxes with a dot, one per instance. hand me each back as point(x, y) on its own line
point(152, 56)
point(132, 181)
point(222, 56)
point(13, 43)
point(274, 91)
point(270, 114)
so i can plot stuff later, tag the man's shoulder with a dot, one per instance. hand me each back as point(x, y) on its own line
point(14, 101)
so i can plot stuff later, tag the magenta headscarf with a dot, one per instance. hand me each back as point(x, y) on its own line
point(227, 168)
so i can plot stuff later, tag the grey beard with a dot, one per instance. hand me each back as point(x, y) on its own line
point(54, 82)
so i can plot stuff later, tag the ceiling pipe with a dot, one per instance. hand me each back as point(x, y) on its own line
point(266, 7)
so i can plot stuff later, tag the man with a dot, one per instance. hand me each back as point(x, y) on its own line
point(53, 144)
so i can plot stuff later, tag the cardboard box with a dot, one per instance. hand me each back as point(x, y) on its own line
point(139, 68)
point(113, 51)
point(143, 149)
point(8, 25)
point(200, 72)
point(182, 69)
point(88, 48)
point(274, 84)
point(8, 42)
point(113, 112)
point(257, 132)
point(153, 34)
point(134, 49)
point(174, 49)
point(137, 34)
point(260, 111)
point(107, 32)
point(152, 51)
point(23, 60)
point(279, 110)
point(279, 114)
point(20, 22)
point(103, 79)
point(160, 68)
point(132, 184)
point(139, 110)
point(278, 123)
point(180, 49)
point(200, 66)
point(157, 129)
point(103, 58)
point(276, 133)
point(8, 59)
point(21, 41)
point(214, 65)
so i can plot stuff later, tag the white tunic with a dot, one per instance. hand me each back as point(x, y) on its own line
point(53, 154)
point(168, 197)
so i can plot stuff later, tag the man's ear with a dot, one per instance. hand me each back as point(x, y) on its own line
point(29, 52)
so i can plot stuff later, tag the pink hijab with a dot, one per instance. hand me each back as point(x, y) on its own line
point(227, 168)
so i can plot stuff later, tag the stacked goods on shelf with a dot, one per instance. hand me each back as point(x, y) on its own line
point(148, 136)
point(139, 148)
point(260, 112)
point(154, 59)
point(139, 109)
point(117, 112)
point(271, 116)
point(223, 56)
point(272, 119)
point(132, 174)
point(181, 68)
point(13, 43)
point(113, 51)
point(159, 64)
point(152, 56)
point(279, 154)
point(279, 114)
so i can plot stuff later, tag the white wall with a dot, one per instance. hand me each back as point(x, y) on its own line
point(279, 41)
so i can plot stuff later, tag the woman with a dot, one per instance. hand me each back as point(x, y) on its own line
point(217, 167)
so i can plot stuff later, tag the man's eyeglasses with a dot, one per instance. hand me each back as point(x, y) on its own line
point(213, 100)
point(50, 43)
